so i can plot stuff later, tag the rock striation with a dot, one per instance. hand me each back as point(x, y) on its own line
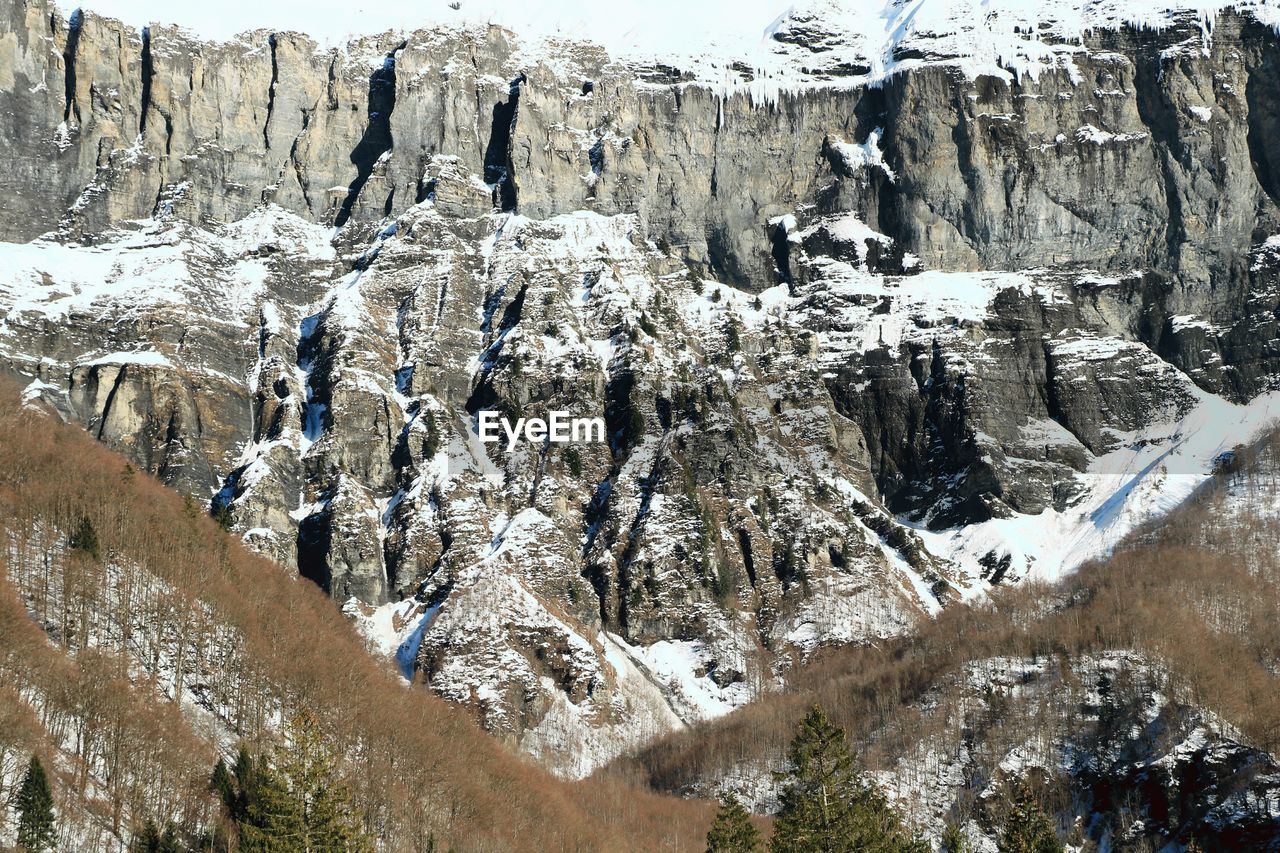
point(826, 321)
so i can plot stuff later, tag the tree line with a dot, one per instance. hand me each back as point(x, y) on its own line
point(1194, 597)
point(826, 807)
point(135, 634)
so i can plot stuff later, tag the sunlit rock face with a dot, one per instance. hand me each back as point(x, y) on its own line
point(868, 332)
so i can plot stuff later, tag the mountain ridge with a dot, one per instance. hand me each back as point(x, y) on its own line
point(134, 662)
point(855, 345)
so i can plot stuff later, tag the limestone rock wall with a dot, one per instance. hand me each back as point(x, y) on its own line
point(286, 278)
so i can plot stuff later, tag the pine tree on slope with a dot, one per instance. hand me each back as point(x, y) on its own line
point(309, 768)
point(169, 842)
point(221, 783)
point(296, 802)
point(147, 839)
point(1027, 829)
point(272, 822)
point(225, 784)
point(36, 828)
point(245, 772)
point(85, 538)
point(732, 831)
point(826, 808)
point(150, 840)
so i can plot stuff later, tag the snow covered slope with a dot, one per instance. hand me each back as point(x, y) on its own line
point(762, 45)
point(880, 305)
point(1153, 470)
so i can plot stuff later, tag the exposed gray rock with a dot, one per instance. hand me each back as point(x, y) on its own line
point(772, 298)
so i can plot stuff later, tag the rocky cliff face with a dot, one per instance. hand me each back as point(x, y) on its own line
point(850, 330)
point(1105, 739)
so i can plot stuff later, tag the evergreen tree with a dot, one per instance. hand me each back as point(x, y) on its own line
point(272, 821)
point(36, 829)
point(954, 840)
point(85, 538)
point(221, 783)
point(169, 842)
point(732, 341)
point(222, 515)
point(1028, 829)
point(826, 807)
point(245, 788)
point(298, 802)
point(258, 802)
point(732, 831)
point(149, 839)
point(324, 800)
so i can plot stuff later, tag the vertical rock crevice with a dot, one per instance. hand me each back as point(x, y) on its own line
point(1160, 117)
point(780, 249)
point(147, 71)
point(116, 382)
point(748, 561)
point(376, 140)
point(315, 534)
point(71, 110)
point(271, 92)
point(1263, 99)
point(315, 538)
point(299, 170)
point(596, 157)
point(499, 166)
point(331, 85)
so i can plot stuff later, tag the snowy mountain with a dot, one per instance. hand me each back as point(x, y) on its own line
point(1136, 698)
point(882, 307)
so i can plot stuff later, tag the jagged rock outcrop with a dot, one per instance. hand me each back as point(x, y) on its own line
point(771, 292)
point(1121, 757)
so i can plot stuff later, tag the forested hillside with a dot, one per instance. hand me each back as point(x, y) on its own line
point(1139, 698)
point(880, 305)
point(139, 641)
point(907, 324)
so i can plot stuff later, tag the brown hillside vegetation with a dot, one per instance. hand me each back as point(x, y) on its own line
point(152, 760)
point(1198, 592)
point(114, 595)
